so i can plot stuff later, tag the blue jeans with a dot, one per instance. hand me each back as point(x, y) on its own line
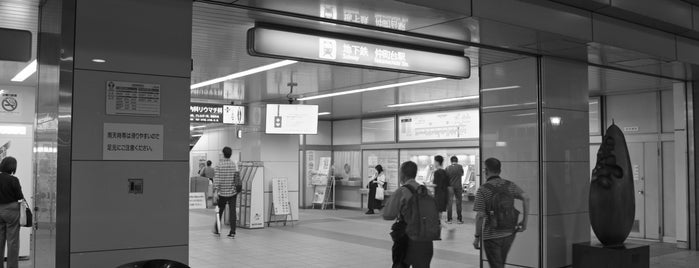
point(496, 250)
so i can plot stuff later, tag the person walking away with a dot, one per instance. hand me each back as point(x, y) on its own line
point(417, 224)
point(10, 195)
point(208, 171)
point(496, 222)
point(441, 189)
point(456, 189)
point(226, 188)
point(378, 181)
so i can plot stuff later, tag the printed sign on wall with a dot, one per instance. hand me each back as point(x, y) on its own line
point(129, 98)
point(132, 142)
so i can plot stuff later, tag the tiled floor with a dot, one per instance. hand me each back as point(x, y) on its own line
point(348, 238)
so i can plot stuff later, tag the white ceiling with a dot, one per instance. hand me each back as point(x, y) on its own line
point(20, 15)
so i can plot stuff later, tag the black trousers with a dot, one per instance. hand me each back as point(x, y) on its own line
point(496, 250)
point(222, 202)
point(419, 254)
point(455, 193)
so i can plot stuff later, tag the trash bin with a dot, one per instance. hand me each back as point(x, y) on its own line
point(154, 264)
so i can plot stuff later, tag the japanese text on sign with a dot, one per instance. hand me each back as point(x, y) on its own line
point(132, 142)
point(127, 98)
point(205, 113)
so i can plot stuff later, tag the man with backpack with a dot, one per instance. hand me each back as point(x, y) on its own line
point(497, 219)
point(418, 222)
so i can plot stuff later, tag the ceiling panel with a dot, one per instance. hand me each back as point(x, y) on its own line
point(20, 15)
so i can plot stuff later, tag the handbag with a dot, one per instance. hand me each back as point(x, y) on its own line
point(379, 192)
point(399, 250)
point(26, 219)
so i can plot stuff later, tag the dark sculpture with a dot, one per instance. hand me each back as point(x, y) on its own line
point(612, 203)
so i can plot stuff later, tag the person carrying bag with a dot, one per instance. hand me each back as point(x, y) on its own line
point(10, 212)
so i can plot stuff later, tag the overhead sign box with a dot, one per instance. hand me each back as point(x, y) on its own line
point(16, 45)
point(329, 48)
point(205, 113)
point(448, 125)
point(292, 119)
point(233, 114)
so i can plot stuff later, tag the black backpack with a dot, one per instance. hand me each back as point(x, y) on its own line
point(502, 214)
point(422, 216)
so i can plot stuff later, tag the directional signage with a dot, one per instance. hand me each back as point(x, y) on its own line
point(357, 52)
point(205, 113)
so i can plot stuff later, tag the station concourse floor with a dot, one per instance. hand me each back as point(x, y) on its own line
point(348, 238)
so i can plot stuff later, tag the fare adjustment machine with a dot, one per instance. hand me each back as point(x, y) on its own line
point(252, 195)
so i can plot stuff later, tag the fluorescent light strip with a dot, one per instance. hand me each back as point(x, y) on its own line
point(324, 113)
point(354, 91)
point(243, 73)
point(25, 73)
point(498, 88)
point(432, 101)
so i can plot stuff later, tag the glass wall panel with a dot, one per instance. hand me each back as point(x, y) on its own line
point(468, 157)
point(379, 130)
point(388, 159)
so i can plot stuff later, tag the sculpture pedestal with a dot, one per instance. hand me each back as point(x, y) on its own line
point(588, 255)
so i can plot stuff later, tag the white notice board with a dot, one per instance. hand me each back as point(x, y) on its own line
point(448, 125)
point(280, 196)
point(132, 142)
point(197, 200)
point(130, 98)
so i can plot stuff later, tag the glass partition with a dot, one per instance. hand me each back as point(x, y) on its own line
point(388, 159)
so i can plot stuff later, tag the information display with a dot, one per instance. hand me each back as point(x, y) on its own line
point(360, 53)
point(205, 113)
point(130, 98)
point(450, 125)
point(233, 114)
point(292, 119)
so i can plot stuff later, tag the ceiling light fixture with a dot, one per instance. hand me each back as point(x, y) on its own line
point(243, 73)
point(195, 127)
point(432, 101)
point(324, 113)
point(498, 88)
point(99, 60)
point(354, 91)
point(25, 73)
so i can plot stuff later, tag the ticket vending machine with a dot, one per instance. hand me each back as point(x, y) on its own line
point(251, 208)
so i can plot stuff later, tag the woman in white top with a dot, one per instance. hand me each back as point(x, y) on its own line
point(378, 181)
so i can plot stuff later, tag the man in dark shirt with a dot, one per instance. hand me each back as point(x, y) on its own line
point(496, 243)
point(456, 189)
point(419, 254)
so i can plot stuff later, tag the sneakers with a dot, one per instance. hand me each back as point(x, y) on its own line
point(460, 221)
point(371, 211)
point(231, 236)
point(450, 221)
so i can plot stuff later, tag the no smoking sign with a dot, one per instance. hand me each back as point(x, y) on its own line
point(9, 104)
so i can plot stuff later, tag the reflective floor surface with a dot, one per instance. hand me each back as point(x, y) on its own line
point(348, 238)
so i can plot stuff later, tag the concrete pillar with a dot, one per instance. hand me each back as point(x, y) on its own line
point(534, 118)
point(114, 206)
point(280, 155)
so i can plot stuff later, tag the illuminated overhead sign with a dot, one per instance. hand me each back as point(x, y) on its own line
point(356, 52)
point(205, 113)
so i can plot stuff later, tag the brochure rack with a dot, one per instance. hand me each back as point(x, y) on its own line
point(251, 205)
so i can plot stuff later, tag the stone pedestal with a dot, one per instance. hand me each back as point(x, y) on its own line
point(588, 255)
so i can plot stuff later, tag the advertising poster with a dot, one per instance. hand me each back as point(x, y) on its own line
point(280, 196)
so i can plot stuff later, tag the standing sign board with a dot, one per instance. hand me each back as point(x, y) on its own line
point(197, 200)
point(130, 98)
point(132, 142)
point(280, 196)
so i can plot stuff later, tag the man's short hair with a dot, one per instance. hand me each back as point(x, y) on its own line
point(439, 159)
point(454, 159)
point(227, 152)
point(208, 163)
point(493, 165)
point(409, 169)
